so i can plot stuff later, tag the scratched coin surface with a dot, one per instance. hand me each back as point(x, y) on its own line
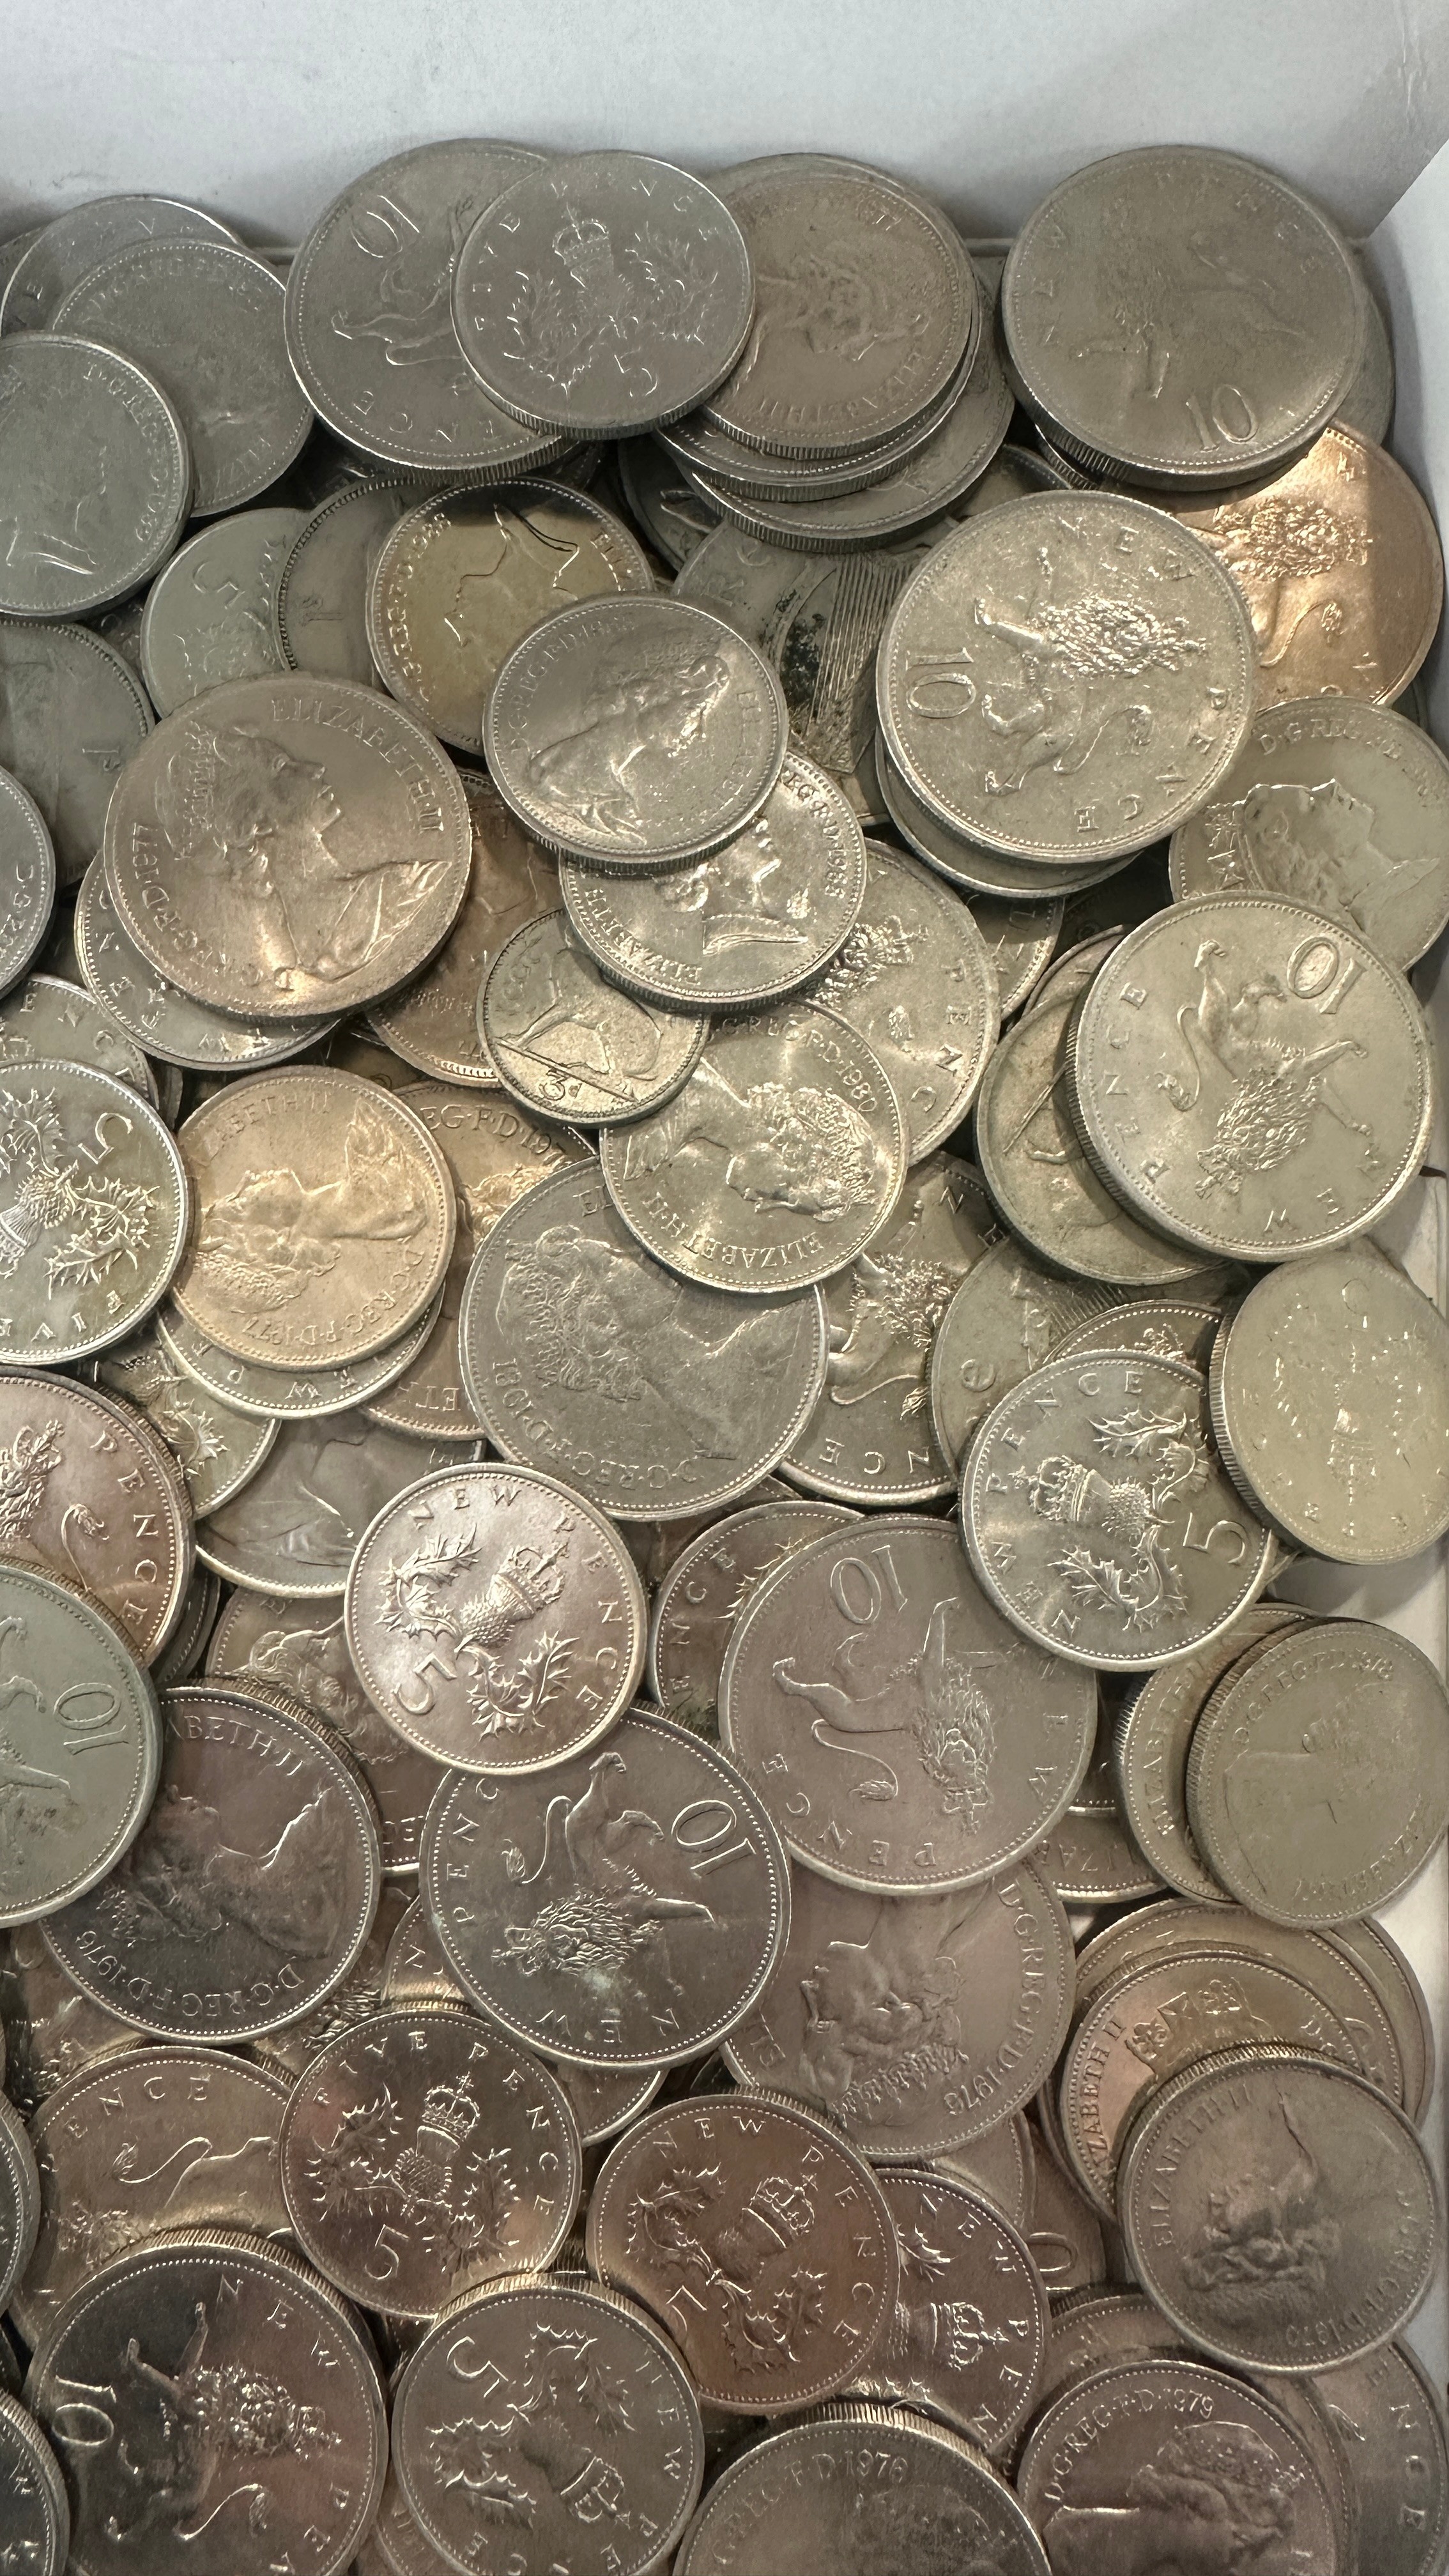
point(27, 876)
point(90, 1495)
point(77, 542)
point(603, 1930)
point(904, 1737)
point(287, 1395)
point(757, 2236)
point(1150, 1743)
point(704, 1592)
point(295, 1526)
point(435, 1023)
point(969, 2337)
point(1004, 1318)
point(32, 2492)
point(208, 618)
point(94, 1203)
point(80, 1756)
point(568, 1043)
point(156, 1014)
point(72, 711)
point(657, 1398)
point(217, 1449)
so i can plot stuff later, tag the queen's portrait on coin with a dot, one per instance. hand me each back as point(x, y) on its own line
point(802, 1148)
point(655, 707)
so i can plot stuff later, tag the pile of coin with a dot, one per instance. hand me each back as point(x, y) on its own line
point(704, 1049)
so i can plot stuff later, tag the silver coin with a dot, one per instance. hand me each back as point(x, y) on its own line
point(120, 627)
point(186, 1644)
point(12, 251)
point(602, 294)
point(703, 1593)
point(738, 930)
point(74, 1689)
point(208, 617)
point(915, 980)
point(1019, 939)
point(968, 863)
point(1091, 1860)
point(1150, 1744)
point(571, 1045)
point(78, 542)
point(49, 2027)
point(1389, 2419)
point(319, 607)
point(1119, 898)
point(94, 1205)
point(61, 253)
point(673, 515)
point(865, 1692)
point(870, 1439)
point(19, 2199)
point(294, 1527)
point(1093, 2329)
point(157, 1015)
point(1064, 593)
point(776, 1163)
point(27, 876)
point(1367, 407)
point(1269, 1092)
point(1397, 1987)
point(1098, 1515)
point(32, 2493)
point(1004, 1318)
point(434, 1023)
point(217, 1449)
point(72, 712)
point(1171, 1327)
point(289, 1395)
point(717, 456)
point(46, 1017)
point(94, 1498)
point(589, 717)
point(971, 2329)
point(1338, 805)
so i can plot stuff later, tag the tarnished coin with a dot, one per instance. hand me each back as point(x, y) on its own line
point(211, 2327)
point(915, 981)
point(422, 2155)
point(978, 1989)
point(90, 1495)
point(1097, 1513)
point(204, 319)
point(252, 1886)
point(81, 1751)
point(1330, 1396)
point(295, 1526)
point(856, 2486)
point(904, 1738)
point(568, 1043)
point(46, 1016)
point(27, 872)
point(1390, 2423)
point(598, 1929)
point(603, 293)
point(288, 1395)
point(673, 515)
point(1162, 2455)
point(1339, 562)
point(1019, 939)
point(68, 249)
point(32, 2493)
point(776, 1163)
point(1279, 2210)
point(758, 2237)
point(657, 1398)
point(157, 2139)
point(324, 1219)
point(319, 602)
point(288, 846)
point(156, 1014)
point(50, 2029)
point(19, 2199)
point(1150, 1749)
point(969, 2337)
point(1338, 805)
point(71, 714)
point(217, 1449)
point(496, 1619)
point(209, 616)
point(738, 930)
point(1171, 1328)
point(1005, 1317)
point(435, 1023)
point(94, 1203)
point(705, 1590)
point(79, 540)
point(557, 2408)
point(869, 1439)
point(466, 574)
point(590, 717)
point(1318, 1775)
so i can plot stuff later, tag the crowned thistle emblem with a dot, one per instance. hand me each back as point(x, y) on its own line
point(1121, 1560)
point(430, 1594)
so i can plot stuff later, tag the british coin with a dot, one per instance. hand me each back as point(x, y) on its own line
point(290, 2051)
point(1275, 1070)
point(717, 456)
point(1337, 805)
point(467, 573)
point(397, 2544)
point(1390, 2422)
point(422, 2155)
point(162, 2327)
point(13, 250)
point(68, 249)
point(369, 329)
point(32, 2493)
point(1367, 407)
point(1120, 1571)
point(157, 1015)
point(97, 1204)
point(50, 2029)
point(209, 615)
point(981, 1987)
point(1318, 1775)
point(1150, 1749)
point(571, 1045)
point(120, 627)
point(201, 1936)
point(435, 1023)
point(1090, 1858)
point(1005, 1317)
point(704, 1592)
point(738, 930)
point(1330, 1396)
point(158, 2139)
point(319, 605)
point(1173, 1328)
point(687, 1899)
point(1145, 305)
point(859, 2486)
point(780, 2277)
point(865, 1691)
point(1019, 939)
point(324, 1219)
point(870, 1439)
point(588, 717)
point(1397, 1986)
point(71, 714)
point(288, 1395)
point(19, 2200)
point(64, 402)
point(288, 846)
point(656, 1398)
point(27, 875)
point(1000, 2166)
point(1094, 2329)
point(969, 2338)
point(967, 863)
point(535, 1658)
point(776, 1163)
point(294, 1528)
point(92, 1497)
point(673, 515)
point(75, 1690)
point(656, 1546)
point(1338, 560)
point(603, 293)
point(1065, 2237)
point(597, 2440)
point(186, 1644)
point(1119, 898)
point(1279, 2210)
point(1144, 2455)
point(45, 1016)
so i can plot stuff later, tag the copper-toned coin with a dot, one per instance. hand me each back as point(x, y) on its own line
point(294, 1529)
point(968, 2339)
point(433, 1023)
point(757, 2236)
point(90, 1494)
point(81, 1745)
point(704, 1592)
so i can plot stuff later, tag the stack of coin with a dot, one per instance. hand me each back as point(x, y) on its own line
point(705, 908)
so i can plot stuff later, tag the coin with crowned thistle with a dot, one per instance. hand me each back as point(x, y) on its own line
point(94, 1202)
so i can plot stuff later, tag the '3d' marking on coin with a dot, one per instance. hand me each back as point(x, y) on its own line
point(568, 1043)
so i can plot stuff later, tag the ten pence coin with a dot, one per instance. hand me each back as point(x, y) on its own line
point(91, 1496)
point(295, 1526)
point(27, 879)
point(209, 616)
point(568, 1043)
point(82, 1745)
point(72, 711)
point(32, 2492)
point(1019, 938)
point(968, 864)
point(94, 1203)
point(68, 249)
point(435, 1023)
point(80, 538)
point(705, 1590)
point(970, 2333)
point(157, 1015)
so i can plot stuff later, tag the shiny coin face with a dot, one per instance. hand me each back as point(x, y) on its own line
point(568, 1043)
point(19, 2199)
point(156, 1014)
point(209, 616)
point(435, 1024)
point(704, 1592)
point(915, 981)
point(969, 864)
point(295, 1527)
point(1150, 1749)
point(66, 402)
point(365, 833)
point(27, 880)
point(46, 1016)
point(72, 711)
point(1171, 1328)
point(1005, 1317)
point(60, 254)
point(94, 1498)
point(972, 2327)
point(596, 1926)
point(216, 1449)
point(291, 2050)
point(287, 1395)
point(32, 2492)
point(96, 1202)
point(82, 1747)
point(674, 517)
point(1019, 939)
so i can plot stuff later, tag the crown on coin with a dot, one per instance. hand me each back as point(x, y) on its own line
point(785, 2204)
point(1055, 1487)
point(450, 2116)
point(580, 238)
point(530, 1575)
point(1216, 2014)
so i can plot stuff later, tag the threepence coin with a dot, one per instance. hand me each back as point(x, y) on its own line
point(434, 1024)
point(568, 1043)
